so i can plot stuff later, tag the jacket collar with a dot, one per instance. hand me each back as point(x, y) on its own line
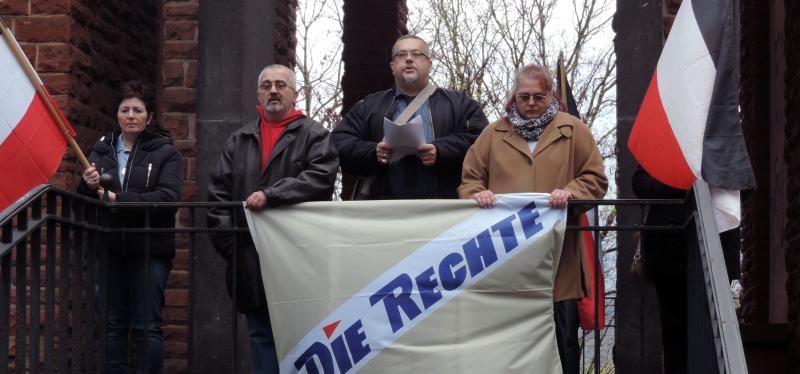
point(147, 141)
point(561, 126)
point(287, 137)
point(396, 91)
point(252, 127)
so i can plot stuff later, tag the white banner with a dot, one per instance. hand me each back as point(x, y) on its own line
point(412, 285)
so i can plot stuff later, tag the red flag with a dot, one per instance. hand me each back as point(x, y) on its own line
point(31, 142)
point(688, 126)
point(586, 305)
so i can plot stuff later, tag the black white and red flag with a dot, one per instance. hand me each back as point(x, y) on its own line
point(688, 126)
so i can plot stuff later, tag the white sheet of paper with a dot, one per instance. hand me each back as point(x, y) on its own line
point(404, 138)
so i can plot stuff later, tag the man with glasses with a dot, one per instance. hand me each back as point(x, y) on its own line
point(451, 123)
point(281, 158)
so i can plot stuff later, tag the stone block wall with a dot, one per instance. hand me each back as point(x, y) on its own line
point(177, 112)
point(792, 158)
point(368, 35)
point(754, 299)
point(285, 33)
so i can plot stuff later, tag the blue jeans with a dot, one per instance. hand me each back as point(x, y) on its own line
point(135, 303)
point(262, 343)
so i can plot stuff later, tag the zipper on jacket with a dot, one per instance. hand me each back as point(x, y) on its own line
point(113, 154)
point(113, 142)
point(149, 168)
point(386, 112)
point(128, 170)
point(433, 128)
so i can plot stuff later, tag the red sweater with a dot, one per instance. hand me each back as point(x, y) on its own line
point(271, 132)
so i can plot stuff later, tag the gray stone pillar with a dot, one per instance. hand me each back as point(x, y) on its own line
point(236, 40)
point(792, 157)
point(370, 29)
point(639, 28)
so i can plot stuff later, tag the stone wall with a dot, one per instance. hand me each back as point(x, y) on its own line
point(368, 35)
point(285, 33)
point(754, 299)
point(792, 158)
point(639, 36)
point(177, 112)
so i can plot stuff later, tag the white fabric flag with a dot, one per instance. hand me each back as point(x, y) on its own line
point(409, 286)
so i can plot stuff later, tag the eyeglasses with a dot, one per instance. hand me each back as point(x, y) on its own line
point(279, 85)
point(527, 97)
point(415, 54)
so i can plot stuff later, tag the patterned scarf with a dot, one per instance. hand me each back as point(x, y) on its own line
point(531, 129)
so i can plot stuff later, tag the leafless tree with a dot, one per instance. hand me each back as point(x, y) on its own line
point(478, 45)
point(319, 62)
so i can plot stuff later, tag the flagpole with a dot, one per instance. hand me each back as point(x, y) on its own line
point(562, 77)
point(33, 77)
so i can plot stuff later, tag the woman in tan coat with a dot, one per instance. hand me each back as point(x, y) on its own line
point(536, 148)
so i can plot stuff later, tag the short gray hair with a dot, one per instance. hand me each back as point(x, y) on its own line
point(530, 71)
point(292, 83)
point(411, 36)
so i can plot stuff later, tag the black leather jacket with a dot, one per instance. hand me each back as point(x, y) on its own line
point(154, 174)
point(457, 122)
point(302, 167)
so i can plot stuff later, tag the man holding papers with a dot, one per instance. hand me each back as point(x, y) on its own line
point(404, 148)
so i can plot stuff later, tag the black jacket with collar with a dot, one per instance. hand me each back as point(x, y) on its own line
point(154, 174)
point(457, 122)
point(302, 167)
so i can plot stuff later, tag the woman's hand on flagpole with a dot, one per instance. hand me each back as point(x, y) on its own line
point(92, 177)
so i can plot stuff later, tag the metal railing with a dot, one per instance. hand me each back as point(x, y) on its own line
point(63, 235)
point(74, 249)
point(593, 361)
point(65, 227)
point(714, 344)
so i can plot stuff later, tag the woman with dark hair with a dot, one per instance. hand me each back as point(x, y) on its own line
point(536, 148)
point(145, 167)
